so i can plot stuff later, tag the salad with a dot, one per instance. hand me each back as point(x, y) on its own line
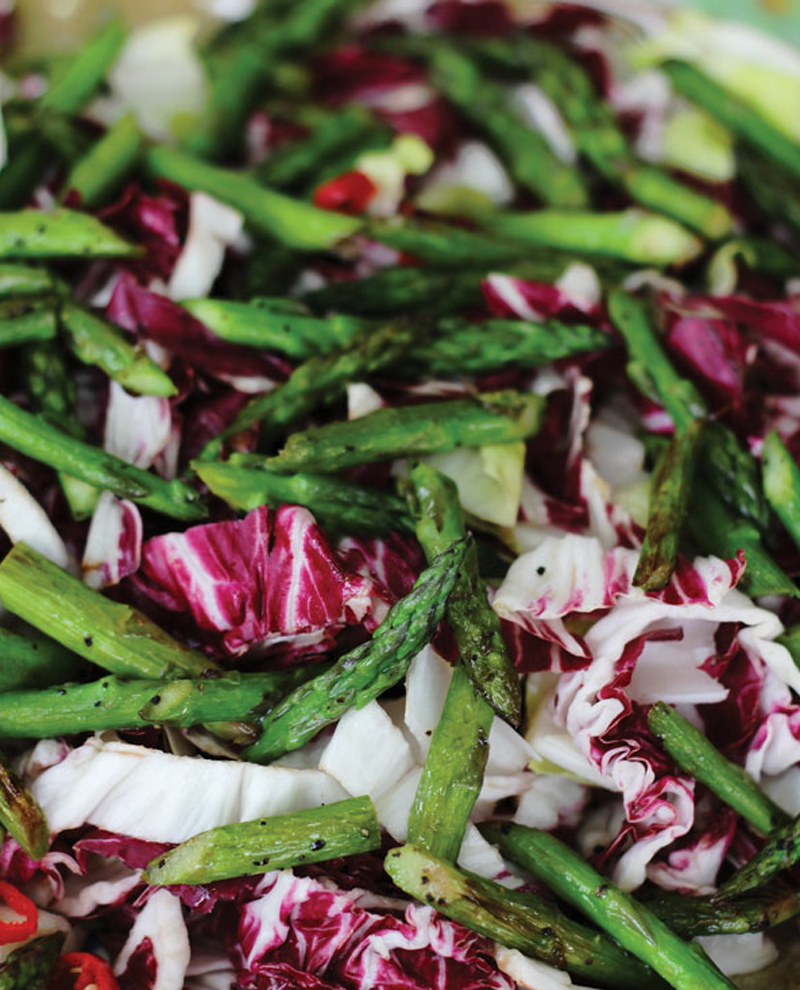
point(400, 502)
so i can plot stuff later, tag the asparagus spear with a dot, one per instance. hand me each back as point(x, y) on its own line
point(20, 814)
point(37, 323)
point(340, 506)
point(734, 476)
point(344, 828)
point(525, 151)
point(781, 852)
point(683, 964)
point(59, 234)
point(453, 772)
point(30, 967)
point(745, 122)
point(782, 483)
point(101, 171)
point(257, 324)
point(33, 436)
point(114, 636)
point(52, 393)
point(317, 382)
point(433, 501)
point(753, 912)
point(365, 672)
point(34, 662)
point(520, 921)
point(21, 281)
point(291, 221)
point(633, 235)
point(717, 531)
point(671, 487)
point(599, 138)
point(460, 347)
point(791, 640)
point(95, 341)
point(114, 703)
point(491, 417)
point(693, 753)
point(773, 190)
point(300, 162)
point(403, 289)
point(449, 247)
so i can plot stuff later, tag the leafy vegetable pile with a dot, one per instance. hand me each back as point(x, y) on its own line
point(400, 502)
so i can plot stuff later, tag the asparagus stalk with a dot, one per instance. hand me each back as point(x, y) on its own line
point(671, 488)
point(599, 138)
point(30, 967)
point(301, 162)
point(781, 852)
point(448, 247)
point(520, 921)
point(453, 772)
point(405, 289)
point(59, 234)
point(734, 476)
point(101, 171)
point(366, 672)
point(339, 506)
point(491, 417)
point(36, 438)
point(463, 348)
point(433, 501)
point(634, 235)
point(257, 324)
point(70, 89)
point(782, 483)
point(745, 122)
point(38, 323)
point(290, 221)
point(753, 912)
point(114, 703)
point(317, 382)
point(525, 151)
point(693, 753)
point(20, 814)
point(344, 828)
point(34, 662)
point(116, 637)
point(20, 281)
point(95, 341)
point(683, 964)
point(791, 640)
point(717, 531)
point(773, 190)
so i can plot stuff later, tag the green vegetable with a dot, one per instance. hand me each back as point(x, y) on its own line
point(781, 852)
point(30, 967)
point(683, 964)
point(520, 921)
point(344, 828)
point(20, 814)
point(697, 756)
point(671, 488)
point(366, 672)
point(33, 436)
point(443, 246)
point(433, 501)
point(115, 703)
point(633, 235)
point(318, 382)
point(782, 483)
point(114, 636)
point(73, 86)
point(734, 476)
point(290, 221)
point(753, 912)
point(746, 123)
point(38, 323)
point(491, 417)
point(101, 171)
point(97, 342)
point(59, 234)
point(21, 281)
point(34, 662)
point(339, 506)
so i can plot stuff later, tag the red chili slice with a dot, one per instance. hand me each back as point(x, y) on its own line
point(347, 193)
point(25, 928)
point(81, 970)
